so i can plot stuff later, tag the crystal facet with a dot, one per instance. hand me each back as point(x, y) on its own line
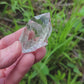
point(36, 33)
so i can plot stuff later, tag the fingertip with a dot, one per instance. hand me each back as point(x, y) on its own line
point(19, 46)
point(40, 53)
point(29, 59)
point(16, 47)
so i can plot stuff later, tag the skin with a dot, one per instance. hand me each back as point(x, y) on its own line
point(13, 64)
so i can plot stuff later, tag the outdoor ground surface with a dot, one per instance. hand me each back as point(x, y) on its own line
point(64, 60)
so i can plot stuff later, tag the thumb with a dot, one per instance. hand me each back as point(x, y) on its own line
point(10, 54)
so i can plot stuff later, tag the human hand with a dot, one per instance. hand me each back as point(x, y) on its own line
point(13, 64)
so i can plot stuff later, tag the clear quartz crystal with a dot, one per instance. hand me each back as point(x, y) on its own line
point(36, 33)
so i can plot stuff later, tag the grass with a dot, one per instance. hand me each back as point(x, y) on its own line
point(59, 66)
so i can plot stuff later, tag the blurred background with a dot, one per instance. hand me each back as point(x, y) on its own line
point(64, 60)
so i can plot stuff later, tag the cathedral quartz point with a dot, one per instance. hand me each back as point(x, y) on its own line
point(36, 33)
